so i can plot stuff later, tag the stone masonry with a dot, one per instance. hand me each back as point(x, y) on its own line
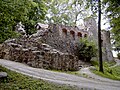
point(37, 54)
point(106, 45)
point(64, 38)
point(39, 50)
point(51, 47)
point(91, 27)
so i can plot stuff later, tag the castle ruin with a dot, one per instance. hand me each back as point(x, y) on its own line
point(53, 46)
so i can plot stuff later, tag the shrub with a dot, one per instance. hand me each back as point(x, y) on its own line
point(86, 50)
point(118, 55)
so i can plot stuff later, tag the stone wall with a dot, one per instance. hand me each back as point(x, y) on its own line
point(91, 26)
point(52, 47)
point(107, 47)
point(64, 38)
point(35, 53)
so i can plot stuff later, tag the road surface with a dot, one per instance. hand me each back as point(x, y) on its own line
point(61, 78)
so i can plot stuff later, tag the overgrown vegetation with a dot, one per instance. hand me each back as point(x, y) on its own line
point(109, 70)
point(67, 12)
point(16, 81)
point(13, 11)
point(118, 55)
point(86, 50)
point(113, 14)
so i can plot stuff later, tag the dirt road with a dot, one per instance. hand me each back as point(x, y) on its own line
point(61, 78)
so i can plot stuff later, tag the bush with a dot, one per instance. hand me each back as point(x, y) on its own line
point(109, 71)
point(118, 55)
point(86, 50)
point(7, 35)
point(28, 12)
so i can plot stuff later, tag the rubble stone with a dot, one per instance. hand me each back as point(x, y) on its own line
point(3, 75)
point(53, 47)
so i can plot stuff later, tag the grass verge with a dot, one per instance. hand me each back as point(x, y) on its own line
point(109, 72)
point(17, 81)
point(77, 73)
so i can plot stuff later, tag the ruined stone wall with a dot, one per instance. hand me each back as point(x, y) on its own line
point(51, 47)
point(91, 26)
point(107, 47)
point(64, 38)
point(37, 54)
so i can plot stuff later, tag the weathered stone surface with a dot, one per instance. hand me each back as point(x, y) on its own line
point(53, 47)
point(91, 26)
point(63, 38)
point(107, 47)
point(20, 28)
point(3, 75)
point(37, 54)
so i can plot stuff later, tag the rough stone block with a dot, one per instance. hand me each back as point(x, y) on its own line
point(3, 75)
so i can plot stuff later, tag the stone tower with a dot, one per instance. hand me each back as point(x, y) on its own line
point(91, 26)
point(107, 53)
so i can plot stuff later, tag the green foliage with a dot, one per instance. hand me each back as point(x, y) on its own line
point(109, 71)
point(36, 14)
point(7, 34)
point(94, 63)
point(113, 13)
point(13, 11)
point(16, 81)
point(67, 12)
point(118, 55)
point(86, 50)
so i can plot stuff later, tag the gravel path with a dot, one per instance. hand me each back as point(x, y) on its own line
point(96, 77)
point(61, 78)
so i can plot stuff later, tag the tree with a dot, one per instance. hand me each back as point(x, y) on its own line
point(92, 4)
point(67, 12)
point(99, 37)
point(36, 14)
point(86, 50)
point(113, 14)
point(14, 11)
point(58, 10)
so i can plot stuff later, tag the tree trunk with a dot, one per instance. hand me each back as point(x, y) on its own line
point(99, 37)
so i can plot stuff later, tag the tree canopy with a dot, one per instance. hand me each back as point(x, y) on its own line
point(113, 13)
point(67, 12)
point(14, 11)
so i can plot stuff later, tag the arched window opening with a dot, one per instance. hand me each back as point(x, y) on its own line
point(72, 33)
point(64, 31)
point(79, 34)
point(85, 35)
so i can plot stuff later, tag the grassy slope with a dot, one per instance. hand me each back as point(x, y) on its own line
point(109, 72)
point(16, 81)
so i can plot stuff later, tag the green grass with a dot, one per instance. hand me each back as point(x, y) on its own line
point(16, 81)
point(109, 72)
